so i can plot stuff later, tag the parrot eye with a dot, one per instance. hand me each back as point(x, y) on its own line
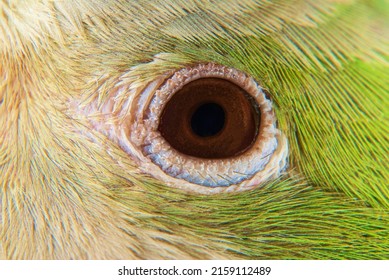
point(208, 128)
point(210, 118)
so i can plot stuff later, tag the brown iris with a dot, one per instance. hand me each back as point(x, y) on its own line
point(210, 118)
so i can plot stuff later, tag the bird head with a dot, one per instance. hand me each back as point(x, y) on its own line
point(76, 181)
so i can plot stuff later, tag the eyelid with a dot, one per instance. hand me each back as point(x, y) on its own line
point(132, 123)
point(199, 174)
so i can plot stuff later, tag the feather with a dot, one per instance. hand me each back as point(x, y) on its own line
point(69, 191)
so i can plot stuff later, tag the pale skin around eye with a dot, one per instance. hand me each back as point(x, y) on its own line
point(138, 135)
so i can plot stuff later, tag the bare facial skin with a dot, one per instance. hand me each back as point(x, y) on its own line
point(84, 173)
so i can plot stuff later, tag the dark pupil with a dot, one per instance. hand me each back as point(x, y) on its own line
point(208, 120)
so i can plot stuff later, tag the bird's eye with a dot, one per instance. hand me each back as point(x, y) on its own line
point(210, 118)
point(206, 128)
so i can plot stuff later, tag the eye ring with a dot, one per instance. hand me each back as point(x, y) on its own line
point(264, 159)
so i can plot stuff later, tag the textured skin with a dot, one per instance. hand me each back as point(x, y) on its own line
point(67, 191)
